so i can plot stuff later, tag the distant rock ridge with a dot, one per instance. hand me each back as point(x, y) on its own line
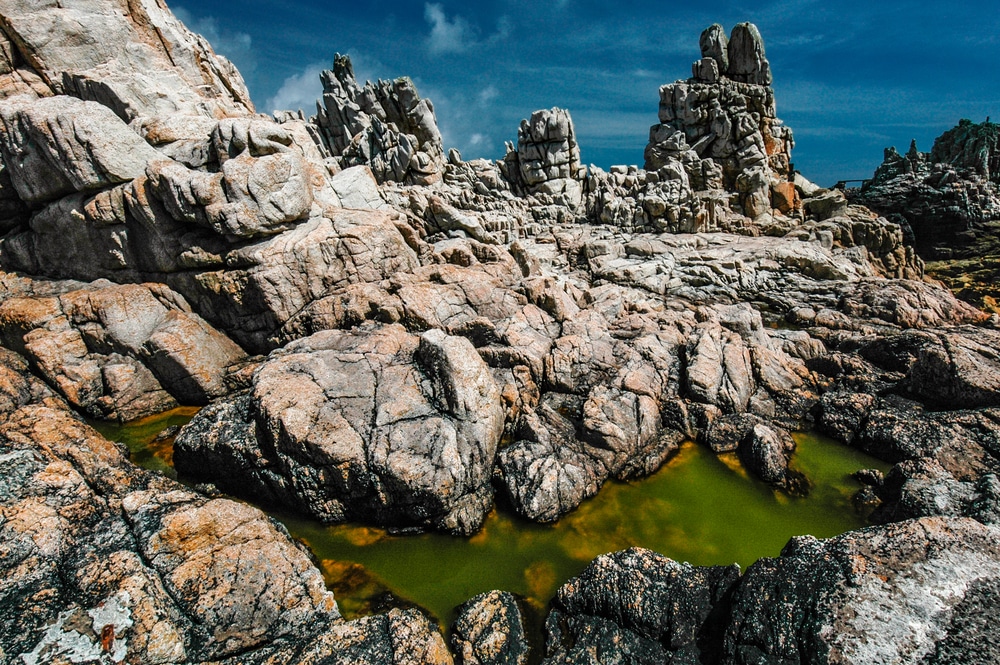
point(947, 196)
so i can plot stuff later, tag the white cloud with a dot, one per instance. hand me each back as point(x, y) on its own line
point(446, 36)
point(236, 46)
point(299, 91)
point(487, 95)
point(470, 121)
point(456, 35)
point(504, 29)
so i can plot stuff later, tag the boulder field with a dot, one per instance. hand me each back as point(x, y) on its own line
point(380, 331)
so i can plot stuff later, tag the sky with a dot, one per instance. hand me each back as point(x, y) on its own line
point(850, 78)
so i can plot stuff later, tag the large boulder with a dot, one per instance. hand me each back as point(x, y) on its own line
point(376, 424)
point(117, 351)
point(60, 145)
point(637, 606)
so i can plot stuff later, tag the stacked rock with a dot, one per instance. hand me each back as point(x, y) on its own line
point(547, 159)
point(385, 125)
point(726, 113)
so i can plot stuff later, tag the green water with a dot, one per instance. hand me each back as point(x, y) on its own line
point(699, 508)
point(149, 450)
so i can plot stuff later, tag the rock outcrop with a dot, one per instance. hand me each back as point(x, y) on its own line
point(384, 125)
point(825, 601)
point(637, 606)
point(116, 352)
point(547, 159)
point(438, 330)
point(135, 58)
point(106, 562)
point(490, 630)
point(725, 112)
point(376, 425)
point(949, 196)
point(819, 602)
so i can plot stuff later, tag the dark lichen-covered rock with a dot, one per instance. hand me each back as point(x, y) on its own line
point(899, 593)
point(105, 558)
point(637, 606)
point(397, 637)
point(949, 196)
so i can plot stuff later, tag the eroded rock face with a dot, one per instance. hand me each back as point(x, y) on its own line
point(948, 197)
point(116, 352)
point(547, 159)
point(165, 69)
point(108, 558)
point(905, 593)
point(56, 146)
point(726, 112)
point(640, 607)
point(377, 424)
point(384, 125)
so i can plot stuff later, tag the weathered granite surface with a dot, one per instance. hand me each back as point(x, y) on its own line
point(438, 330)
point(105, 562)
point(115, 352)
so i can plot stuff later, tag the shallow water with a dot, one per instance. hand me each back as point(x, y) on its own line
point(699, 508)
point(149, 450)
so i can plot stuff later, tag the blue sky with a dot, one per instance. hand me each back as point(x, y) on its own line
point(850, 77)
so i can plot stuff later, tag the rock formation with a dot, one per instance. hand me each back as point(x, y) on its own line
point(103, 560)
point(377, 425)
point(116, 352)
point(431, 331)
point(949, 196)
point(726, 112)
point(385, 125)
point(547, 159)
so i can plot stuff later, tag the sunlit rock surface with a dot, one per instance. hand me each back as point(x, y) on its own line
point(438, 330)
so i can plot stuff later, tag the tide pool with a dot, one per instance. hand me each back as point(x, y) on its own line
point(699, 507)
